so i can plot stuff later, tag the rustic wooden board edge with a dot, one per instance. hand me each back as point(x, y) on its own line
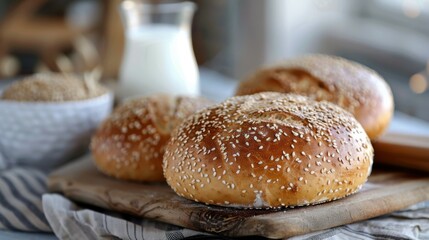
point(408, 151)
point(256, 222)
point(57, 183)
point(381, 205)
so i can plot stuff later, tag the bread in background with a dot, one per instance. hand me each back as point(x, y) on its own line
point(352, 86)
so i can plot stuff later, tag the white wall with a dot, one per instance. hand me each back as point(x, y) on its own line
point(295, 27)
point(273, 30)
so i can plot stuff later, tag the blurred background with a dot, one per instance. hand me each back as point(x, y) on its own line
point(231, 38)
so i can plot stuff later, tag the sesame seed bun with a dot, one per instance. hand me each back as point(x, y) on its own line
point(130, 144)
point(268, 150)
point(352, 86)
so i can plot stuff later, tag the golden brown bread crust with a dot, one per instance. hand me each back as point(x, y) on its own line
point(52, 87)
point(268, 150)
point(352, 86)
point(130, 144)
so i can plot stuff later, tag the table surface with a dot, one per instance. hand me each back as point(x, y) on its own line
point(218, 87)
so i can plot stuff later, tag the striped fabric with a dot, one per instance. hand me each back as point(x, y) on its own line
point(20, 200)
point(69, 221)
point(3, 164)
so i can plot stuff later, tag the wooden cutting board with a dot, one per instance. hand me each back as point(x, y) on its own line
point(384, 193)
point(409, 151)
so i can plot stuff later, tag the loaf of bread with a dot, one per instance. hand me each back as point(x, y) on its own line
point(354, 87)
point(130, 144)
point(52, 87)
point(268, 150)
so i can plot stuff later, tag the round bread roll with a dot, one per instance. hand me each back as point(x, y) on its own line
point(52, 87)
point(130, 144)
point(268, 150)
point(352, 86)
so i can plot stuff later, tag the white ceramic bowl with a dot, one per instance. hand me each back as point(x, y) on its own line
point(46, 135)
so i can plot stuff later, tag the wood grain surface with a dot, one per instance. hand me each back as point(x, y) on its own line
point(384, 193)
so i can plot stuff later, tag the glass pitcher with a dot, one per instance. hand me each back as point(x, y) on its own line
point(158, 55)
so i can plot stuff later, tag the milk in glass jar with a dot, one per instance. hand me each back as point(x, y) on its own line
point(158, 55)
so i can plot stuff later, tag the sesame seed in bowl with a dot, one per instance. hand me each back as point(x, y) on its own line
point(53, 87)
point(48, 119)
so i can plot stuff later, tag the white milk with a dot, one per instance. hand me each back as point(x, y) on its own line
point(158, 59)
